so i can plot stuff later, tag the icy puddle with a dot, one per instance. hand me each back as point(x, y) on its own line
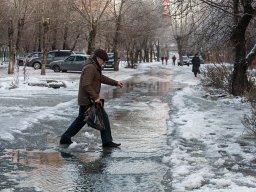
point(138, 115)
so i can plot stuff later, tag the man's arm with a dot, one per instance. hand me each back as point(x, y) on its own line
point(86, 81)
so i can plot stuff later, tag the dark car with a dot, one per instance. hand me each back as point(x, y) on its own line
point(36, 62)
point(186, 61)
point(22, 60)
point(110, 62)
point(72, 63)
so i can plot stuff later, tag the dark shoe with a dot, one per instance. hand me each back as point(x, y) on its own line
point(111, 144)
point(65, 141)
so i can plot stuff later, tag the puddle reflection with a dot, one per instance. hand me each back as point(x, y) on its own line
point(139, 122)
point(143, 88)
point(59, 171)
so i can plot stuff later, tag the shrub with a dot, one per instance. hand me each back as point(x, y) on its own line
point(220, 76)
point(217, 76)
point(249, 120)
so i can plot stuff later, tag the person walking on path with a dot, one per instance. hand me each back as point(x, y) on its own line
point(166, 60)
point(173, 59)
point(162, 58)
point(89, 90)
point(196, 64)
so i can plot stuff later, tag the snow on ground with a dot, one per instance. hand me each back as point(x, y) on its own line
point(205, 131)
point(207, 140)
point(24, 115)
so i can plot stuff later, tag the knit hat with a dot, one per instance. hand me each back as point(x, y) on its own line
point(101, 54)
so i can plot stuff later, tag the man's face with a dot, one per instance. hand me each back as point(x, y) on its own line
point(100, 61)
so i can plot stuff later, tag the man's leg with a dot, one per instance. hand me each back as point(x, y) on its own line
point(106, 136)
point(75, 127)
point(106, 133)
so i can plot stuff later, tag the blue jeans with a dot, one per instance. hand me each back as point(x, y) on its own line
point(78, 123)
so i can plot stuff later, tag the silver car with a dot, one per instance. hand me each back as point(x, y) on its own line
point(72, 63)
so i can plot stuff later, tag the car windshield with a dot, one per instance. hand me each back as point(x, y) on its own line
point(184, 57)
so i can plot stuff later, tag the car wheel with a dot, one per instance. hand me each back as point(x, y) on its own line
point(56, 68)
point(37, 65)
point(20, 63)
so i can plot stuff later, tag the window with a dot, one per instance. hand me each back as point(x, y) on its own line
point(51, 55)
point(71, 58)
point(62, 54)
point(80, 58)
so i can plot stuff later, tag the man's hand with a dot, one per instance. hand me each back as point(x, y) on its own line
point(97, 101)
point(119, 84)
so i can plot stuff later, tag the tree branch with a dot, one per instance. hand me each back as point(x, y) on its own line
point(252, 55)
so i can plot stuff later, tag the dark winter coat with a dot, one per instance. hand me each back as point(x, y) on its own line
point(90, 82)
point(195, 64)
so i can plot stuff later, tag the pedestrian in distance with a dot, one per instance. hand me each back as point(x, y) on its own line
point(196, 64)
point(162, 58)
point(89, 90)
point(166, 60)
point(173, 59)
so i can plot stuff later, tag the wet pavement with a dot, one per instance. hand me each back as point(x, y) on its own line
point(33, 161)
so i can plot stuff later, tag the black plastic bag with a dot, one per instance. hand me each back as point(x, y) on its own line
point(93, 116)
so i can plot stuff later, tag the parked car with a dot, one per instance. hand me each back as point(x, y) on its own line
point(36, 62)
point(22, 60)
point(186, 61)
point(72, 63)
point(110, 62)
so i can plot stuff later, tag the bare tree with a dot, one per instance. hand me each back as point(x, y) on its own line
point(138, 31)
point(92, 11)
point(186, 17)
point(15, 29)
point(241, 20)
point(118, 11)
point(232, 21)
point(242, 12)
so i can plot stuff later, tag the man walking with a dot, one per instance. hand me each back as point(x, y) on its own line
point(89, 90)
point(196, 64)
point(173, 59)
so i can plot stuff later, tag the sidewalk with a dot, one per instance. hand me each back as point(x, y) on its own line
point(211, 150)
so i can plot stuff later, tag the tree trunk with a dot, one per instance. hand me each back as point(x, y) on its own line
point(46, 23)
point(115, 45)
point(75, 42)
point(39, 37)
point(116, 37)
point(158, 50)
point(55, 33)
point(92, 38)
point(21, 23)
point(251, 56)
point(65, 42)
point(11, 47)
point(239, 76)
point(136, 56)
point(151, 52)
